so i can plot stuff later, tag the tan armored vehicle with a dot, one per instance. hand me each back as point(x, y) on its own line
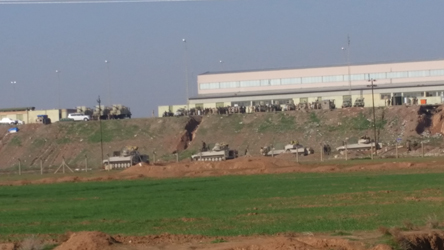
point(291, 148)
point(119, 111)
point(84, 110)
point(363, 144)
point(101, 112)
point(359, 102)
point(220, 152)
point(125, 158)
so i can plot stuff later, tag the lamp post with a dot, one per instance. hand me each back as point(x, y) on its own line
point(372, 85)
point(58, 87)
point(109, 83)
point(221, 65)
point(13, 94)
point(348, 64)
point(186, 71)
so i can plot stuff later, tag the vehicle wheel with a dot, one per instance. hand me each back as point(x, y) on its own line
point(86, 119)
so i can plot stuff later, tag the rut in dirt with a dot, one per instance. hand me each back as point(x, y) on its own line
point(188, 134)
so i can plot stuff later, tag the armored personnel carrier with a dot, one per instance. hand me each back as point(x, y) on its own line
point(125, 158)
point(289, 148)
point(328, 104)
point(359, 102)
point(364, 143)
point(220, 152)
point(119, 111)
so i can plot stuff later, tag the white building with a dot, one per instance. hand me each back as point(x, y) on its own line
point(398, 82)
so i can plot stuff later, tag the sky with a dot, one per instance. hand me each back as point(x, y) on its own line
point(148, 60)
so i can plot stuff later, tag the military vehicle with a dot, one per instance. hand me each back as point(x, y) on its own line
point(261, 107)
point(220, 152)
point(101, 112)
point(125, 158)
point(84, 110)
point(346, 103)
point(289, 148)
point(290, 105)
point(359, 102)
point(119, 111)
point(364, 143)
point(328, 104)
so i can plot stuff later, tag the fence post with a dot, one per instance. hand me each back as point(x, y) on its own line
point(20, 166)
point(322, 152)
point(371, 150)
point(177, 157)
point(346, 151)
point(396, 147)
point(86, 163)
point(41, 166)
point(422, 149)
point(297, 154)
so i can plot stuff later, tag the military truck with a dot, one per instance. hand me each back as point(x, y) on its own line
point(220, 152)
point(364, 143)
point(84, 110)
point(101, 112)
point(119, 111)
point(359, 102)
point(125, 158)
point(346, 103)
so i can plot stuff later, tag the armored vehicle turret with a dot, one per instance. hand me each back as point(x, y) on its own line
point(125, 158)
point(359, 102)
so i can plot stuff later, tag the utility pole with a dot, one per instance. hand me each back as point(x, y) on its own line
point(186, 73)
point(100, 125)
point(372, 85)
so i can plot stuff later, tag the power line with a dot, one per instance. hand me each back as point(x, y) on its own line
point(89, 1)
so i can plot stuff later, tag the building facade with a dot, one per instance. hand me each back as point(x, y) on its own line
point(395, 83)
point(29, 115)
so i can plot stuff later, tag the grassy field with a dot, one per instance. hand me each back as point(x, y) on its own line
point(219, 206)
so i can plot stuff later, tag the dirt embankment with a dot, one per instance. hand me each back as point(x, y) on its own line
point(415, 240)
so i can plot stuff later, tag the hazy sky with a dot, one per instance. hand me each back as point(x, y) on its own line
point(143, 43)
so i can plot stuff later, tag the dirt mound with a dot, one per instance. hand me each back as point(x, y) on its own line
point(7, 246)
point(422, 240)
point(88, 241)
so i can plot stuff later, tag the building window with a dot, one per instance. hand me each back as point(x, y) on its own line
point(385, 96)
point(413, 94)
point(437, 72)
point(241, 104)
point(313, 79)
point(199, 105)
point(431, 93)
point(265, 82)
point(319, 98)
point(303, 100)
point(399, 74)
point(419, 73)
point(357, 77)
point(253, 83)
point(286, 81)
point(274, 82)
point(338, 78)
point(228, 85)
point(376, 76)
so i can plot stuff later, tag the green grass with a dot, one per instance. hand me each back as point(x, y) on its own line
point(222, 206)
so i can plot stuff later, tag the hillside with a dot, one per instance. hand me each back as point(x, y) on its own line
point(74, 140)
point(165, 136)
point(314, 127)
